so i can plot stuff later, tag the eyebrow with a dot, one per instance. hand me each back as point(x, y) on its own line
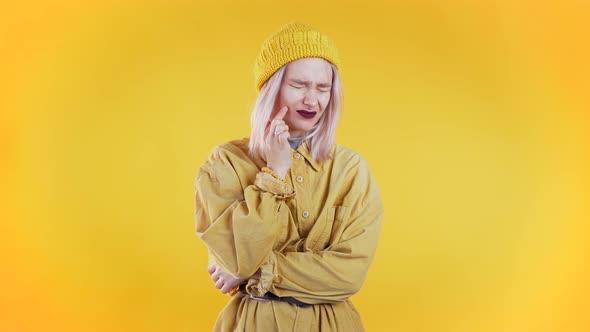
point(321, 85)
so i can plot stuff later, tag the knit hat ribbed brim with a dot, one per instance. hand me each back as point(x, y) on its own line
point(292, 42)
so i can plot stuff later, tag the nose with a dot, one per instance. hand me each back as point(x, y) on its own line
point(310, 98)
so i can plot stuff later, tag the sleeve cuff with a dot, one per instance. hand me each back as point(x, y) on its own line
point(259, 287)
point(269, 183)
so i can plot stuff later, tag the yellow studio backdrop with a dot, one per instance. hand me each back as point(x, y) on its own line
point(474, 117)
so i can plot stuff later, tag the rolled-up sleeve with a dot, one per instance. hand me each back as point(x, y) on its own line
point(238, 222)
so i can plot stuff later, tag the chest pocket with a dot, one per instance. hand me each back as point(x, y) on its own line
point(323, 232)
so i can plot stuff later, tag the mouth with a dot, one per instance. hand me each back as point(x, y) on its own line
point(306, 114)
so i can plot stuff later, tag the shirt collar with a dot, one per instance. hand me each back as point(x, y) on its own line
point(295, 142)
point(304, 150)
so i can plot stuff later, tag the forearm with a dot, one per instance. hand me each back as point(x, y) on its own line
point(318, 277)
point(242, 235)
point(329, 275)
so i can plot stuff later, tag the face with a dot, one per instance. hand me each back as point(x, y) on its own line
point(305, 90)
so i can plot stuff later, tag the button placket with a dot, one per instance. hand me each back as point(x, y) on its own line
point(299, 166)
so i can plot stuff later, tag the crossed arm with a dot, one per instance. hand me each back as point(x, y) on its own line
point(240, 226)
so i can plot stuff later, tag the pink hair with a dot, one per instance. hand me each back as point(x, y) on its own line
point(321, 138)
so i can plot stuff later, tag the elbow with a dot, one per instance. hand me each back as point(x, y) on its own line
point(353, 282)
point(353, 286)
point(347, 285)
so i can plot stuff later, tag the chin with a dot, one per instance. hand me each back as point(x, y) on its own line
point(303, 130)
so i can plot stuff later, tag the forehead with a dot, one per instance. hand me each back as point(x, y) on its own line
point(309, 69)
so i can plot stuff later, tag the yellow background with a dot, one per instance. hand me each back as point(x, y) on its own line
point(472, 114)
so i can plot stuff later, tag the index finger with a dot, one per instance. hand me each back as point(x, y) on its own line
point(281, 114)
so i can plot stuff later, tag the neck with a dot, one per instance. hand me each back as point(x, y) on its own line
point(295, 142)
point(297, 134)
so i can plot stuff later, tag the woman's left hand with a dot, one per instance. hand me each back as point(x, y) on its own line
point(223, 280)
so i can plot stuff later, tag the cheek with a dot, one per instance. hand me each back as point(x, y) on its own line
point(324, 100)
point(290, 97)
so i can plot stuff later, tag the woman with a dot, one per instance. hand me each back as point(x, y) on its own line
point(290, 218)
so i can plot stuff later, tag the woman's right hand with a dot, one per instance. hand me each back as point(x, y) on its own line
point(277, 150)
point(225, 281)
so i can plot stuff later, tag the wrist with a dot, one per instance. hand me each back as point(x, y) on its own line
point(256, 275)
point(281, 172)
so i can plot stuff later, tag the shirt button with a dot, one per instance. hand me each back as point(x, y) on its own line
point(305, 214)
point(297, 155)
point(299, 179)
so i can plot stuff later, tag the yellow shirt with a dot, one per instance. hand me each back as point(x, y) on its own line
point(312, 238)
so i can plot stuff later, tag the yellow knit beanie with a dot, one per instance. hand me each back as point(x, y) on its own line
point(292, 42)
